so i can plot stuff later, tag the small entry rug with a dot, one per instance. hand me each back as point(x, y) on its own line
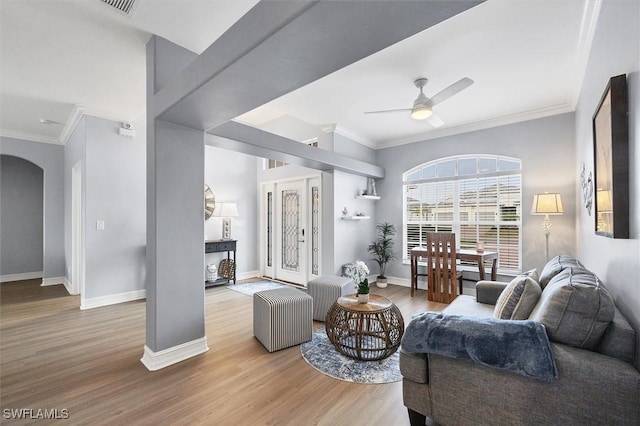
point(250, 288)
point(324, 357)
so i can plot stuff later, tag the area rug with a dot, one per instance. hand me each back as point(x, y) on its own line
point(250, 288)
point(324, 357)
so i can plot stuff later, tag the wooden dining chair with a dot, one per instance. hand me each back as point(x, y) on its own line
point(443, 279)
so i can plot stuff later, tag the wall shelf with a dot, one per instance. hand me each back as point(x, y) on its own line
point(368, 197)
point(355, 217)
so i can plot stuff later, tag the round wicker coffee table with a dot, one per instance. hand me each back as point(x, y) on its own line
point(365, 331)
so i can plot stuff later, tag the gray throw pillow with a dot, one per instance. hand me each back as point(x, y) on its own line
point(518, 299)
point(533, 274)
point(555, 266)
point(575, 308)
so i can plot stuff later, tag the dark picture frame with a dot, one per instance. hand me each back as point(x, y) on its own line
point(611, 160)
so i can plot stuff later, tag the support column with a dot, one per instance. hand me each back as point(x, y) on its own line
point(175, 232)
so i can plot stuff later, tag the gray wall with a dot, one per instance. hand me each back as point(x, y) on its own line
point(50, 158)
point(21, 225)
point(615, 50)
point(115, 193)
point(349, 148)
point(547, 151)
point(232, 177)
point(113, 190)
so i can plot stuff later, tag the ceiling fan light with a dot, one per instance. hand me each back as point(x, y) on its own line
point(421, 113)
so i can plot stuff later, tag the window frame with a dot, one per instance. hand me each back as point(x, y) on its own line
point(455, 224)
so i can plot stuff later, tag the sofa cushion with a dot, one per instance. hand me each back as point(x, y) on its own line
point(575, 308)
point(467, 305)
point(518, 300)
point(555, 266)
point(619, 341)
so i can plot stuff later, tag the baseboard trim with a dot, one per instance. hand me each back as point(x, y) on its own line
point(422, 285)
point(21, 277)
point(247, 275)
point(112, 299)
point(69, 286)
point(164, 358)
point(52, 281)
point(404, 282)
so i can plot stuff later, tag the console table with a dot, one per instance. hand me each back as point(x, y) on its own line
point(220, 246)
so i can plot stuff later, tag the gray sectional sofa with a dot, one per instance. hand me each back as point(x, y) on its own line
point(592, 344)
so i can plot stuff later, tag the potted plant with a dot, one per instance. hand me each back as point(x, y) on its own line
point(359, 273)
point(382, 250)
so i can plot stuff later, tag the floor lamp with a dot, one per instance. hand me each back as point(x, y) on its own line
point(547, 204)
point(226, 211)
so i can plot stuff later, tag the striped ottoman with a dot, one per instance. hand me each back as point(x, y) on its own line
point(325, 290)
point(282, 317)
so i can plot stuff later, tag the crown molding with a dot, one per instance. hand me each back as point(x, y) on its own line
point(481, 125)
point(72, 122)
point(356, 137)
point(32, 137)
point(590, 16)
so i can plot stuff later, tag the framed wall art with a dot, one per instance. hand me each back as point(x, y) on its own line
point(611, 161)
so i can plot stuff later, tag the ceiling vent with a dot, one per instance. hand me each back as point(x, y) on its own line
point(126, 7)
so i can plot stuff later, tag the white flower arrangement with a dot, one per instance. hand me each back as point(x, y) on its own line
point(360, 275)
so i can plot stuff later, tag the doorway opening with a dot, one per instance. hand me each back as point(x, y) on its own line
point(290, 230)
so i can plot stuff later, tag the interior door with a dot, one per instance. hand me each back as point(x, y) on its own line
point(290, 237)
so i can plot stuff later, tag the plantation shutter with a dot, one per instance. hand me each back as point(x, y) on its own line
point(476, 197)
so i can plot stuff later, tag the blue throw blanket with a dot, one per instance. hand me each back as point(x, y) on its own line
point(518, 346)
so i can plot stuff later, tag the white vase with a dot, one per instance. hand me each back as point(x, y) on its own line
point(363, 298)
point(381, 282)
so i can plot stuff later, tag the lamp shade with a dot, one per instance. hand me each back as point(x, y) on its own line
point(226, 210)
point(547, 204)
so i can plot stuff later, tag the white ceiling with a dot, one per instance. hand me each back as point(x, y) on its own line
point(64, 58)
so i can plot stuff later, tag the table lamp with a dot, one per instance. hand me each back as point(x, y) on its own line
point(547, 204)
point(226, 211)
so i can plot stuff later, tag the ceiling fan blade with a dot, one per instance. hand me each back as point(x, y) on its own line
point(435, 120)
point(448, 92)
point(387, 110)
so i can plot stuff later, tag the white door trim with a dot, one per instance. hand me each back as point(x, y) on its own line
point(272, 186)
point(77, 233)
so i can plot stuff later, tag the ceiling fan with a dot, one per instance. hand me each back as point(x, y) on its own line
point(423, 107)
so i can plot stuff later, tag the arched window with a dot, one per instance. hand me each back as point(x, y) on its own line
point(478, 197)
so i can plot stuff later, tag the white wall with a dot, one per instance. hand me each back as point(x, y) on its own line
point(343, 241)
point(351, 237)
point(615, 51)
point(547, 151)
point(232, 177)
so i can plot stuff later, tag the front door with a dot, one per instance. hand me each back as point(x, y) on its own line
point(290, 227)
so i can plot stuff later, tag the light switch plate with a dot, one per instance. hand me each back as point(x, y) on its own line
point(100, 225)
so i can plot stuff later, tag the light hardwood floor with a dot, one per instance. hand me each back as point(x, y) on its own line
point(55, 356)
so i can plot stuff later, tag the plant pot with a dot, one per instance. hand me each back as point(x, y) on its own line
point(363, 298)
point(381, 282)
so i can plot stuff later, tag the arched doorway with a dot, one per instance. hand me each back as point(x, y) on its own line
point(21, 219)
